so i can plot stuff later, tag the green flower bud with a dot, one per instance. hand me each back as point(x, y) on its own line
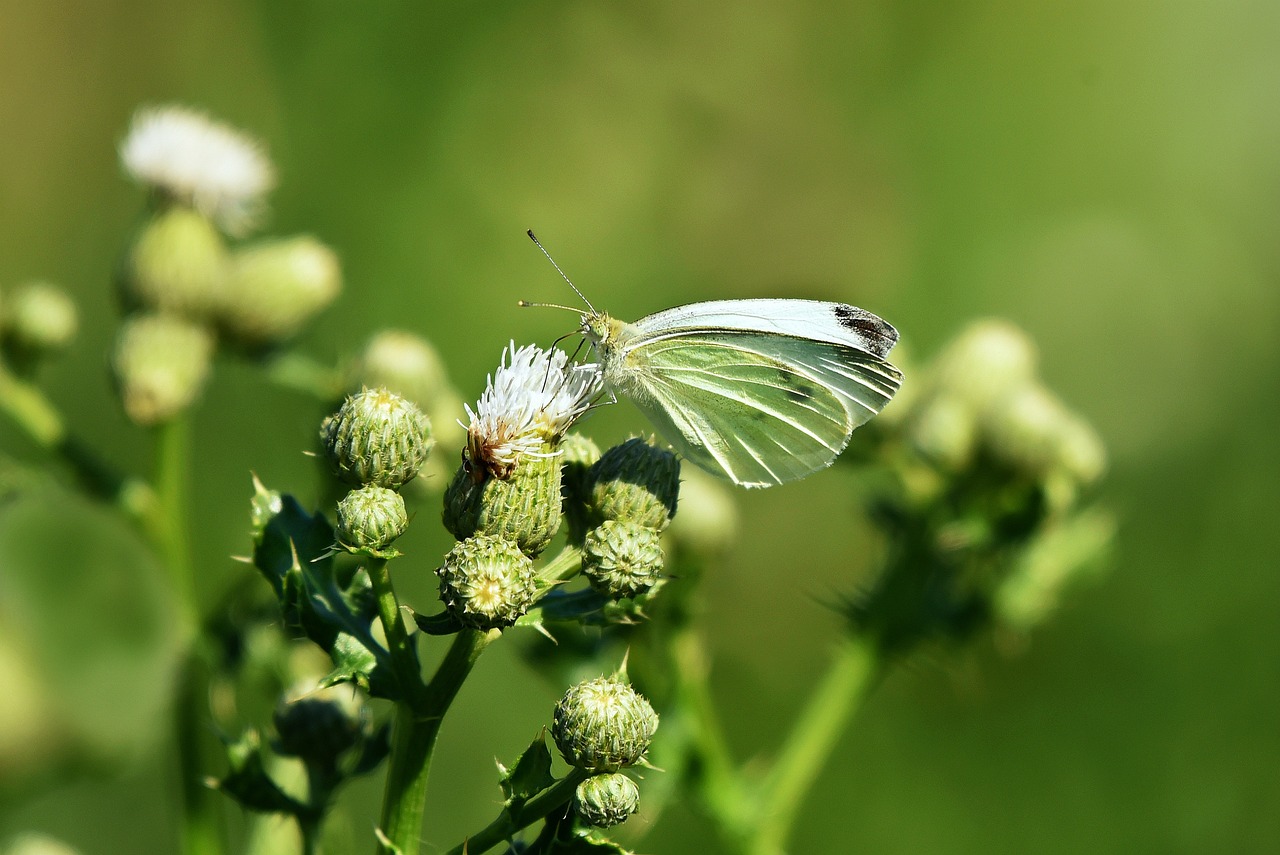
point(708, 520)
point(637, 482)
point(318, 725)
point(370, 518)
point(377, 438)
point(404, 363)
point(1026, 427)
point(487, 582)
point(984, 363)
point(524, 508)
point(577, 454)
point(177, 264)
point(273, 288)
point(606, 800)
point(39, 318)
point(944, 431)
point(603, 725)
point(621, 559)
point(160, 365)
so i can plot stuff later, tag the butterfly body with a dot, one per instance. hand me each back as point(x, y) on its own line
point(757, 391)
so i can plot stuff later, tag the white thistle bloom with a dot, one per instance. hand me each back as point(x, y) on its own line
point(534, 397)
point(211, 166)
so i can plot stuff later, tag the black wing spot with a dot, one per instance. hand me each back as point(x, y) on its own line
point(880, 335)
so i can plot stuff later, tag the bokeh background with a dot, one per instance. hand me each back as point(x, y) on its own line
point(1106, 175)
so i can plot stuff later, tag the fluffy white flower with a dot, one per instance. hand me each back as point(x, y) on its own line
point(211, 166)
point(535, 396)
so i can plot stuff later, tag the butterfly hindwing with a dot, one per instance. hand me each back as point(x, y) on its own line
point(762, 408)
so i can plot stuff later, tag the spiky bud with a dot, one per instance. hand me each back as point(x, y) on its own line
point(606, 800)
point(178, 264)
point(318, 725)
point(603, 725)
point(523, 508)
point(39, 318)
point(487, 582)
point(370, 518)
point(377, 438)
point(160, 366)
point(621, 559)
point(274, 287)
point(637, 482)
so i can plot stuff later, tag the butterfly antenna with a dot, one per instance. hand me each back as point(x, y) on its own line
point(581, 296)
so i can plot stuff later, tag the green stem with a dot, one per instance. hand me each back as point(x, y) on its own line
point(418, 715)
point(169, 521)
point(563, 567)
point(826, 716)
point(511, 821)
point(717, 784)
point(31, 411)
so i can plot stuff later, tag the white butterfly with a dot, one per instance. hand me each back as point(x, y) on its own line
point(757, 391)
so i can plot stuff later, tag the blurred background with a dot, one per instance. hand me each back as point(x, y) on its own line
point(1106, 175)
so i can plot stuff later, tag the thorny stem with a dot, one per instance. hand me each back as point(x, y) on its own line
point(510, 821)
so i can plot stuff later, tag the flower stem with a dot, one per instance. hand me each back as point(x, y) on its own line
point(418, 714)
point(852, 674)
point(511, 821)
point(168, 523)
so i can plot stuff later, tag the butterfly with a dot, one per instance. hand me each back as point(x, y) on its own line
point(760, 391)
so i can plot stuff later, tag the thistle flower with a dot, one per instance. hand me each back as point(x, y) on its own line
point(534, 397)
point(199, 162)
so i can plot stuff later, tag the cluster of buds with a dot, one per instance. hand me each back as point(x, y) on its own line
point(503, 503)
point(183, 284)
point(377, 442)
point(603, 726)
point(621, 503)
point(991, 467)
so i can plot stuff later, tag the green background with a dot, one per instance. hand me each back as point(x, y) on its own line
point(1106, 175)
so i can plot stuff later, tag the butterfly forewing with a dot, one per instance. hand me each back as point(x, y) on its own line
point(761, 408)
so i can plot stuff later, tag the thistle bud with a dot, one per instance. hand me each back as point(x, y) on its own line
point(377, 438)
point(160, 365)
point(275, 287)
point(177, 264)
point(523, 508)
point(318, 725)
point(577, 454)
point(39, 318)
point(984, 363)
point(606, 800)
point(621, 559)
point(487, 582)
point(637, 482)
point(370, 518)
point(603, 725)
point(1025, 429)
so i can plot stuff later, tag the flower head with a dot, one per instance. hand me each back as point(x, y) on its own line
point(203, 163)
point(534, 397)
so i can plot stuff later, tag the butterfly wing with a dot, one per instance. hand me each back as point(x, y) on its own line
point(759, 408)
